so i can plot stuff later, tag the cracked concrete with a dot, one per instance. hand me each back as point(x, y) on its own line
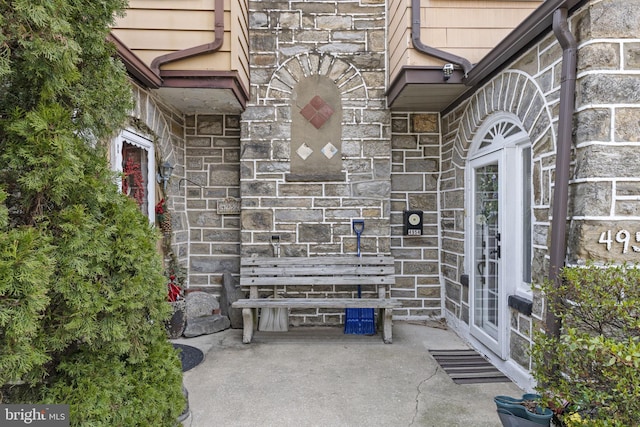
point(321, 377)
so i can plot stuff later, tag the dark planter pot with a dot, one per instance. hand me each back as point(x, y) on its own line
point(513, 414)
point(178, 320)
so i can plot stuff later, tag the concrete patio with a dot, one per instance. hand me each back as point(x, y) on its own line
point(321, 377)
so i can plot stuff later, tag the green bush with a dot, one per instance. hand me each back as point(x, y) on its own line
point(593, 366)
point(82, 295)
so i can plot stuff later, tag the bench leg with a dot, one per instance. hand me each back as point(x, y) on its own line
point(248, 324)
point(386, 325)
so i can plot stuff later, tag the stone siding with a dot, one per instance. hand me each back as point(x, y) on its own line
point(605, 183)
point(316, 54)
point(414, 186)
point(603, 195)
point(212, 158)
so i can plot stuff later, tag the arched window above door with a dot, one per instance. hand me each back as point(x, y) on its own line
point(498, 131)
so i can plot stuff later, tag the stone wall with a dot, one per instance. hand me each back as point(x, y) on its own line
point(317, 67)
point(415, 171)
point(529, 93)
point(604, 200)
point(212, 193)
point(294, 44)
point(605, 185)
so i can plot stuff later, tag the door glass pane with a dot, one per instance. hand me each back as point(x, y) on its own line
point(487, 249)
point(135, 172)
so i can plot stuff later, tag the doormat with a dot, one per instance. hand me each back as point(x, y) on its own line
point(190, 357)
point(468, 367)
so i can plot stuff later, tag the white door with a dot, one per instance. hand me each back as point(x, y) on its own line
point(486, 252)
point(499, 223)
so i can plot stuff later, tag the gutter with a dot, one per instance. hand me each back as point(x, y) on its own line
point(432, 51)
point(214, 46)
point(563, 154)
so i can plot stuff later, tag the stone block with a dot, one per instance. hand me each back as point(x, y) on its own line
point(600, 161)
point(210, 124)
point(198, 304)
point(407, 182)
point(217, 264)
point(423, 123)
point(306, 215)
point(257, 220)
point(371, 189)
point(224, 175)
point(333, 22)
point(591, 199)
point(610, 19)
point(198, 141)
point(206, 325)
point(599, 56)
point(627, 125)
point(631, 56)
point(608, 89)
point(230, 294)
point(314, 233)
point(585, 241)
point(406, 142)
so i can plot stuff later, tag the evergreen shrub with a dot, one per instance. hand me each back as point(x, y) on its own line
point(593, 367)
point(82, 295)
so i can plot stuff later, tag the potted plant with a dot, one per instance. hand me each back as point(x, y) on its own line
point(524, 412)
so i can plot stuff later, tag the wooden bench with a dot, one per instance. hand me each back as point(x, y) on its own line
point(331, 274)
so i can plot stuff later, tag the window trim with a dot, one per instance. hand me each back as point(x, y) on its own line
point(137, 140)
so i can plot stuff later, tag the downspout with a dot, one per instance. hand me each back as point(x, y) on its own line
point(432, 51)
point(215, 45)
point(563, 156)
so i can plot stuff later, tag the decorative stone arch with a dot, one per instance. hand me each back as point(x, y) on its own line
point(346, 76)
point(147, 112)
point(516, 97)
point(512, 92)
point(320, 91)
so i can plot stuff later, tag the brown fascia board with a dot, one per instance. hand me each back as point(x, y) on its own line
point(420, 75)
point(134, 65)
point(205, 79)
point(138, 70)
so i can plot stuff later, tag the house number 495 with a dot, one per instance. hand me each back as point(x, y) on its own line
point(622, 236)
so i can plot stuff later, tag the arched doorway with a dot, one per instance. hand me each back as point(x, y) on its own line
point(499, 245)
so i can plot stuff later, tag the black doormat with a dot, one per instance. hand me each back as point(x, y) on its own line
point(468, 367)
point(189, 356)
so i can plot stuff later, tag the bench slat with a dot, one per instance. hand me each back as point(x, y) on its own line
point(317, 303)
point(319, 270)
point(317, 280)
point(324, 260)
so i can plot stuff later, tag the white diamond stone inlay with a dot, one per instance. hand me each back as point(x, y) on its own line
point(304, 151)
point(329, 150)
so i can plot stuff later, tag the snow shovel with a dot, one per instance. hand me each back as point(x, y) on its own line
point(274, 319)
point(359, 321)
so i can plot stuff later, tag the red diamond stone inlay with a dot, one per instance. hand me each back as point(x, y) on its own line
point(317, 112)
point(308, 112)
